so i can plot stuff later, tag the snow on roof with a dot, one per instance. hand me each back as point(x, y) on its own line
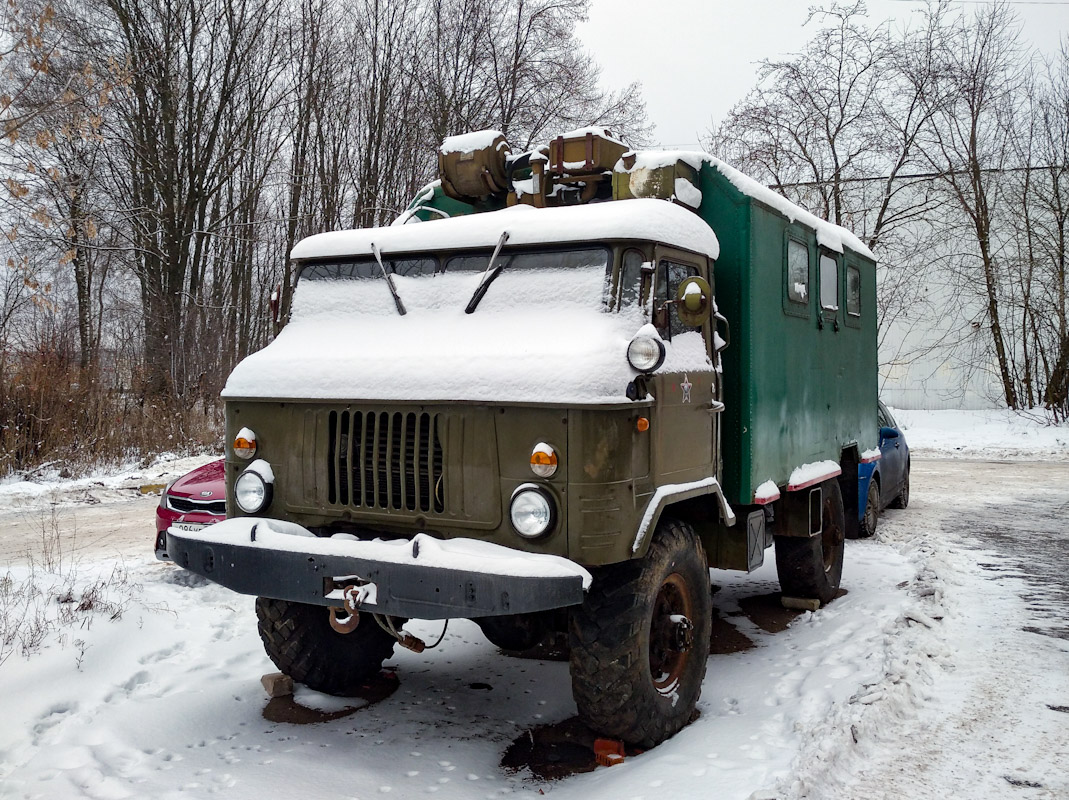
point(645, 219)
point(829, 234)
point(580, 133)
point(470, 142)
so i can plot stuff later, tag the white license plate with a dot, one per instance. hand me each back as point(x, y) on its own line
point(188, 527)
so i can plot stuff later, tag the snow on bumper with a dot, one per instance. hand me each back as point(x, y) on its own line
point(422, 577)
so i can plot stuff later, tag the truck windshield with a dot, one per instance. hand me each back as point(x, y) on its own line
point(542, 263)
point(542, 259)
point(367, 268)
point(528, 278)
point(421, 266)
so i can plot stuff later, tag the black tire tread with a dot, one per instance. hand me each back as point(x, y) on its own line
point(800, 559)
point(902, 499)
point(863, 531)
point(300, 642)
point(610, 665)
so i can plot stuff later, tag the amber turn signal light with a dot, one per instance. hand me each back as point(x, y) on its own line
point(543, 460)
point(245, 444)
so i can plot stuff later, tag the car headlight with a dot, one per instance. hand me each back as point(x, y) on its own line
point(532, 511)
point(252, 492)
point(166, 489)
point(645, 353)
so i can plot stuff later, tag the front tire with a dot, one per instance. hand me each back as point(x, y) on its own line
point(867, 526)
point(299, 640)
point(640, 640)
point(812, 566)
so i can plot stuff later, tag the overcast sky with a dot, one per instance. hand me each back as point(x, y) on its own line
point(697, 58)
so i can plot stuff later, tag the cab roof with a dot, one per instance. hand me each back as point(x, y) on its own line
point(643, 219)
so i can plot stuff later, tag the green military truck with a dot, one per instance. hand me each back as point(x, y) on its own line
point(550, 397)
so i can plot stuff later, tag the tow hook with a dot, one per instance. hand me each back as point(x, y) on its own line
point(682, 633)
point(347, 625)
point(351, 598)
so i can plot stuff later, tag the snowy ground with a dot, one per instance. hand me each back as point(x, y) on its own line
point(942, 671)
point(984, 435)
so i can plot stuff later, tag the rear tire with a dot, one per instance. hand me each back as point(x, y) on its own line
point(640, 640)
point(299, 640)
point(903, 495)
point(867, 526)
point(812, 566)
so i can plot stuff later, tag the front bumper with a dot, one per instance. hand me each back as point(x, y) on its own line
point(421, 578)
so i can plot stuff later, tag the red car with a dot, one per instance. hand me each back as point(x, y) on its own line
point(196, 499)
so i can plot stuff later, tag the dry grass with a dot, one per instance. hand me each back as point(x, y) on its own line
point(55, 415)
point(53, 595)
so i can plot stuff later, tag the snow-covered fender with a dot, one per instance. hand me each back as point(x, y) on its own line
point(671, 493)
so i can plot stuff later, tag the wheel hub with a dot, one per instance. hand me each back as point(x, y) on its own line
point(682, 633)
point(671, 633)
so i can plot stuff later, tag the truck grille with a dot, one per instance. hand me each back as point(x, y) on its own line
point(384, 460)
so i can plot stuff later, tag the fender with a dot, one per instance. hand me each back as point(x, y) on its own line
point(673, 493)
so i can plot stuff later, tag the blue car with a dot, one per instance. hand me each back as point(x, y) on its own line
point(884, 482)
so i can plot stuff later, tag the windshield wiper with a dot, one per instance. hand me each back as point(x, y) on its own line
point(389, 281)
point(489, 275)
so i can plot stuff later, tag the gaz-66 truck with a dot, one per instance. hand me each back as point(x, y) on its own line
point(553, 394)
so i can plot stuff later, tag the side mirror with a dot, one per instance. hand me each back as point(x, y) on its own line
point(888, 433)
point(694, 301)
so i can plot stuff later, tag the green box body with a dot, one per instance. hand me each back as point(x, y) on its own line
point(800, 384)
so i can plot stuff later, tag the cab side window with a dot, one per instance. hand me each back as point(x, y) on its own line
point(631, 278)
point(669, 275)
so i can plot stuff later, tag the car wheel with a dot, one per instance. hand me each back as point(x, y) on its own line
point(902, 500)
point(299, 640)
point(640, 640)
point(867, 526)
point(812, 566)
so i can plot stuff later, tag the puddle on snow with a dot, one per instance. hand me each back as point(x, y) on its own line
point(306, 707)
point(554, 751)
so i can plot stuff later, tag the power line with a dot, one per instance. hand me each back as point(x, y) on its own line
point(917, 175)
point(1003, 2)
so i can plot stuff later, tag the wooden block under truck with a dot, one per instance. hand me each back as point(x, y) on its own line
point(561, 387)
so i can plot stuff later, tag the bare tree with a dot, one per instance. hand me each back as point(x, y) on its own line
point(980, 75)
point(188, 118)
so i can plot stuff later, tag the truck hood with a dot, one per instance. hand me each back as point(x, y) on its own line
point(535, 338)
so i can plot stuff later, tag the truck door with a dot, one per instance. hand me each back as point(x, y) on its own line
point(684, 441)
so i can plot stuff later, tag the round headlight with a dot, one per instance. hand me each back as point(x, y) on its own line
point(645, 353)
point(251, 492)
point(532, 512)
point(245, 444)
point(543, 460)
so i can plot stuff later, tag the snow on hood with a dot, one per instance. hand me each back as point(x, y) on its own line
point(643, 219)
point(538, 336)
